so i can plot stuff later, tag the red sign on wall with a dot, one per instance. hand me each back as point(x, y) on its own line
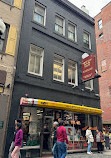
point(88, 68)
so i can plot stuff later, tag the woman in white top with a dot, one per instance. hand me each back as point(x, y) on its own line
point(90, 138)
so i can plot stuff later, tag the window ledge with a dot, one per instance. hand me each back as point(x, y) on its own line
point(57, 33)
point(59, 82)
point(38, 24)
point(87, 48)
point(34, 76)
point(74, 42)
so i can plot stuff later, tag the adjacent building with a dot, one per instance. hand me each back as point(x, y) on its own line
point(10, 12)
point(48, 81)
point(103, 41)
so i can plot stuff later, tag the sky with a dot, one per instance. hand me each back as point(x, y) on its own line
point(94, 6)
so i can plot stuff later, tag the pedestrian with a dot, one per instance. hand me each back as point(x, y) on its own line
point(54, 137)
point(90, 139)
point(12, 146)
point(62, 140)
point(18, 141)
point(107, 144)
point(99, 140)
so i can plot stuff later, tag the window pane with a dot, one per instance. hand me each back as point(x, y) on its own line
point(71, 35)
point(88, 84)
point(57, 68)
point(58, 29)
point(73, 76)
point(1, 44)
point(86, 36)
point(39, 18)
point(71, 28)
point(59, 21)
point(32, 62)
point(69, 75)
point(37, 65)
point(40, 10)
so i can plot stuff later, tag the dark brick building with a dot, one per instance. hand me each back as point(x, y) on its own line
point(103, 41)
point(54, 36)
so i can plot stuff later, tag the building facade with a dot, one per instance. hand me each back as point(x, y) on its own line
point(10, 12)
point(54, 36)
point(103, 41)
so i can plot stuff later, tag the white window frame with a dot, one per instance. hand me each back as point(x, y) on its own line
point(58, 56)
point(100, 25)
point(76, 72)
point(75, 33)
point(89, 35)
point(41, 61)
point(36, 3)
point(59, 16)
point(92, 85)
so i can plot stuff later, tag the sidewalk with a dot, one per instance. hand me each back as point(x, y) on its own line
point(106, 154)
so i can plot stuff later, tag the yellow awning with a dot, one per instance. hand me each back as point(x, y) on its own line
point(59, 105)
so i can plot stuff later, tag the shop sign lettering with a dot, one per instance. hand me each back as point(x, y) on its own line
point(88, 67)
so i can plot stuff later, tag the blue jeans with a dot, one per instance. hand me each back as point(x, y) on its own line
point(89, 147)
point(62, 149)
point(55, 151)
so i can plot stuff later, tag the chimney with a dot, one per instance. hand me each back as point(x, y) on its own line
point(83, 8)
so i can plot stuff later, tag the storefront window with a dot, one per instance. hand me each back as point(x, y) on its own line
point(32, 124)
point(36, 120)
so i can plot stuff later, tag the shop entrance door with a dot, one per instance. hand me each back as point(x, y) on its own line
point(48, 124)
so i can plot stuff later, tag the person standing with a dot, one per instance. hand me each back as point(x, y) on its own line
point(54, 149)
point(13, 141)
point(18, 141)
point(99, 140)
point(62, 140)
point(90, 139)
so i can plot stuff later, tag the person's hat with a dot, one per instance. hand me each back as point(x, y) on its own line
point(55, 123)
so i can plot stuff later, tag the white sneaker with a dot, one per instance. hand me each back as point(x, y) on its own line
point(91, 152)
point(88, 152)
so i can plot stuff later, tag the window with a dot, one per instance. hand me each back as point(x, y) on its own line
point(36, 60)
point(103, 65)
point(89, 84)
point(58, 68)
point(101, 35)
point(86, 40)
point(72, 32)
point(39, 14)
point(60, 25)
point(3, 39)
point(100, 24)
point(72, 72)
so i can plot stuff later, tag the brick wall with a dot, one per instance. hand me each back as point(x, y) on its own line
point(104, 53)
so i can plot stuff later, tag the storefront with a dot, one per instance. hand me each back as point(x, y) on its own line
point(38, 117)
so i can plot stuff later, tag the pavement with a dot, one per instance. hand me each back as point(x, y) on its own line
point(106, 154)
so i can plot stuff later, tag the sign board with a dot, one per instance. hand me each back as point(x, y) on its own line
point(59, 105)
point(88, 67)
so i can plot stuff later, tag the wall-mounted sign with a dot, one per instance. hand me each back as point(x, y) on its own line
point(59, 105)
point(88, 68)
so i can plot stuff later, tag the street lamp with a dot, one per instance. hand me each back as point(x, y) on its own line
point(2, 27)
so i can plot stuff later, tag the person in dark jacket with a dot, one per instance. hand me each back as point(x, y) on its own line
point(99, 140)
point(12, 146)
point(18, 141)
point(54, 149)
